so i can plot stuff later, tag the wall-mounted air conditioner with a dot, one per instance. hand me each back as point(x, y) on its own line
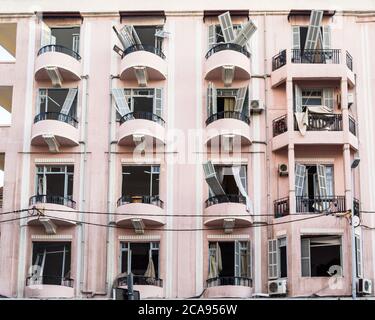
point(283, 170)
point(364, 286)
point(277, 287)
point(256, 106)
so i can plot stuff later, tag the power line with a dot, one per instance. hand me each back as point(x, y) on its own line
point(13, 219)
point(14, 211)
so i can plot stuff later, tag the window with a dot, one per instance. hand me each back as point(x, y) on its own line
point(300, 35)
point(312, 97)
point(358, 255)
point(318, 254)
point(6, 102)
point(51, 263)
point(219, 38)
point(228, 180)
point(59, 101)
point(8, 42)
point(67, 37)
point(138, 181)
point(55, 181)
point(277, 258)
point(146, 35)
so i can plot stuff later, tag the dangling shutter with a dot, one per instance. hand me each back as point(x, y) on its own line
point(313, 31)
point(326, 37)
point(358, 255)
point(45, 36)
point(237, 259)
point(211, 99)
point(296, 39)
point(125, 36)
point(211, 36)
point(121, 102)
point(69, 101)
point(240, 98)
point(245, 33)
point(322, 180)
point(300, 173)
point(135, 36)
point(273, 270)
point(243, 177)
point(226, 26)
point(211, 178)
point(249, 260)
point(305, 258)
point(298, 98)
point(328, 98)
point(158, 102)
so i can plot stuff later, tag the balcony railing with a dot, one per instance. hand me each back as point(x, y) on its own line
point(143, 47)
point(229, 281)
point(227, 46)
point(58, 48)
point(228, 115)
point(142, 115)
point(318, 204)
point(56, 116)
point(352, 126)
point(235, 198)
point(356, 207)
point(279, 125)
point(279, 60)
point(323, 122)
point(281, 207)
point(140, 280)
point(327, 56)
point(45, 279)
point(1, 197)
point(349, 61)
point(52, 199)
point(126, 199)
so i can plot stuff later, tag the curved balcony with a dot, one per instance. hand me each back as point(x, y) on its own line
point(148, 208)
point(66, 60)
point(58, 210)
point(228, 206)
point(141, 124)
point(43, 287)
point(228, 287)
point(147, 287)
point(228, 123)
point(146, 56)
point(227, 54)
point(63, 127)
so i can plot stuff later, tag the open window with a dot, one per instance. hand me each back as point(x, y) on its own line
point(2, 158)
point(56, 102)
point(317, 100)
point(6, 97)
point(141, 259)
point(319, 254)
point(8, 40)
point(51, 263)
point(228, 180)
point(218, 34)
point(277, 258)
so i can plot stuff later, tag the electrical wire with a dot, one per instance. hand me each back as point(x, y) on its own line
point(14, 211)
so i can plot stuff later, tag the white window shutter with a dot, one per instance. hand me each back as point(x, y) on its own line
point(243, 177)
point(249, 260)
point(53, 40)
point(226, 26)
point(42, 96)
point(313, 31)
point(69, 101)
point(305, 258)
point(322, 180)
point(240, 99)
point(125, 36)
point(296, 40)
point(245, 33)
point(328, 98)
point(358, 255)
point(300, 174)
point(326, 37)
point(298, 98)
point(158, 102)
point(273, 269)
point(237, 259)
point(135, 36)
point(121, 102)
point(45, 36)
point(211, 36)
point(211, 99)
point(75, 45)
point(211, 179)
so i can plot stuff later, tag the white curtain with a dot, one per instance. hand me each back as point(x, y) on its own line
point(302, 118)
point(150, 271)
point(241, 188)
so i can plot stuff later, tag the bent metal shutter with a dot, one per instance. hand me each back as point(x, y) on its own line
point(313, 31)
point(120, 100)
point(245, 33)
point(272, 259)
point(240, 99)
point(226, 26)
point(125, 36)
point(300, 173)
point(158, 102)
point(211, 179)
point(69, 101)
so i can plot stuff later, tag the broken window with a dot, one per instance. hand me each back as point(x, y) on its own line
point(146, 35)
point(51, 263)
point(8, 40)
point(6, 97)
point(219, 37)
point(300, 35)
point(319, 254)
point(228, 181)
point(141, 259)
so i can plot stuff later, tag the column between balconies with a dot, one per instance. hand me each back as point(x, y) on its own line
point(347, 176)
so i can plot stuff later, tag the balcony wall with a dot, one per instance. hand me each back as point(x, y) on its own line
point(43, 291)
point(140, 210)
point(228, 292)
point(214, 215)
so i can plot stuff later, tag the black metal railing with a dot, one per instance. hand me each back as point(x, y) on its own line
point(61, 49)
point(352, 126)
point(52, 199)
point(323, 122)
point(227, 46)
point(229, 281)
point(143, 47)
point(142, 115)
point(56, 116)
point(140, 280)
point(280, 125)
point(235, 198)
point(281, 207)
point(126, 199)
point(228, 115)
point(45, 279)
point(320, 205)
point(349, 61)
point(279, 60)
point(356, 207)
point(327, 56)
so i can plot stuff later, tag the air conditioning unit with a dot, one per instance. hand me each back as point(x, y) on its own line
point(283, 170)
point(364, 286)
point(277, 287)
point(256, 106)
point(350, 99)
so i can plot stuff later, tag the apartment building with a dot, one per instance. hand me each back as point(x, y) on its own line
point(207, 149)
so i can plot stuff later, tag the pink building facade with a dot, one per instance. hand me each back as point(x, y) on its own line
point(205, 166)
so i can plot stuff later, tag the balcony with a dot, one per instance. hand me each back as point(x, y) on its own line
point(147, 287)
point(149, 209)
point(141, 124)
point(281, 207)
point(43, 287)
point(279, 125)
point(322, 122)
point(227, 54)
point(228, 123)
point(150, 57)
point(279, 60)
point(326, 56)
point(67, 62)
point(230, 287)
point(223, 209)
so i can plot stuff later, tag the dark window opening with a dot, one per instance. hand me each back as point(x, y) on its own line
point(140, 180)
point(303, 36)
point(146, 35)
point(52, 100)
point(283, 258)
point(227, 181)
point(67, 37)
point(219, 33)
point(227, 256)
point(55, 181)
point(143, 104)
